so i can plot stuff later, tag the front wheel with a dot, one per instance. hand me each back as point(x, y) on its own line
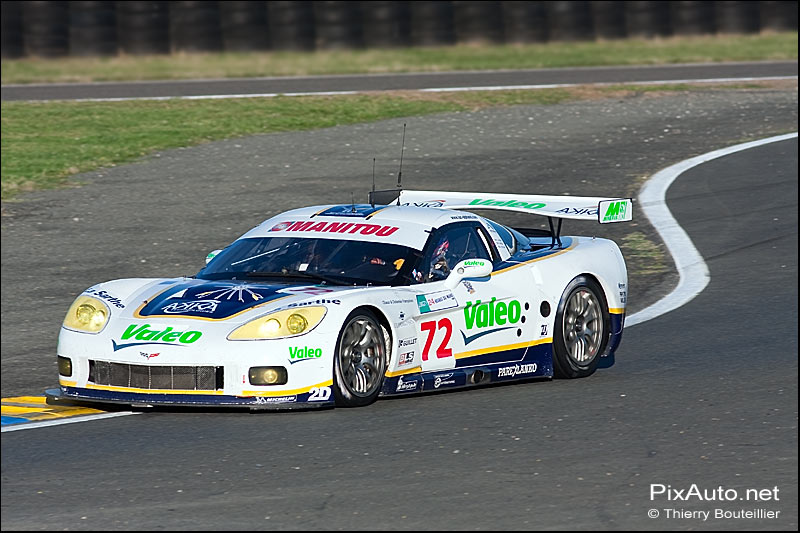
point(581, 329)
point(360, 360)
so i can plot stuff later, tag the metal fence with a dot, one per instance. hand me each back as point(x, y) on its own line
point(107, 28)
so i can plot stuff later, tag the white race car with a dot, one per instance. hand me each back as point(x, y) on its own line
point(341, 304)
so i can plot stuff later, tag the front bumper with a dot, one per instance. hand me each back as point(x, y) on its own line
point(67, 395)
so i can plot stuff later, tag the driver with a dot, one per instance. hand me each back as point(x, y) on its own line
point(438, 266)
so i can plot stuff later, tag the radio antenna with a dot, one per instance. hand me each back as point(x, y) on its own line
point(352, 202)
point(400, 172)
point(371, 201)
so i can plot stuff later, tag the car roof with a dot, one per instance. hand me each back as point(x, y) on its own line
point(395, 224)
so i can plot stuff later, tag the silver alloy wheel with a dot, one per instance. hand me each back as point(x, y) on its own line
point(583, 326)
point(362, 356)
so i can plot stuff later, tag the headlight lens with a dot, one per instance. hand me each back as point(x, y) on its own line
point(296, 323)
point(285, 323)
point(87, 314)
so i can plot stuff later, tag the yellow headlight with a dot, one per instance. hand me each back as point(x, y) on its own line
point(87, 314)
point(285, 323)
point(296, 323)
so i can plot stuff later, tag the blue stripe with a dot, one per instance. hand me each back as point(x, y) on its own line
point(10, 420)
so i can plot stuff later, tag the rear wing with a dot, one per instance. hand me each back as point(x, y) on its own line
point(599, 209)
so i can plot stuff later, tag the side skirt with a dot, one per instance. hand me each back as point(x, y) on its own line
point(535, 362)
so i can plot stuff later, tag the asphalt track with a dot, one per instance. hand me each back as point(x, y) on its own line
point(706, 394)
point(410, 81)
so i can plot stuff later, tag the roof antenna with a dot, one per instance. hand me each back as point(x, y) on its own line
point(371, 201)
point(352, 202)
point(400, 172)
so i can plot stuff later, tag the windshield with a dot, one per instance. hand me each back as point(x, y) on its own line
point(329, 261)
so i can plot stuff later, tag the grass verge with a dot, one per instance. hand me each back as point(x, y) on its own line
point(699, 49)
point(43, 143)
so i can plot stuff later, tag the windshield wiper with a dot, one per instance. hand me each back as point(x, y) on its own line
point(285, 273)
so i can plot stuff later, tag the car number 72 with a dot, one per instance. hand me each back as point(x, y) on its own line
point(430, 328)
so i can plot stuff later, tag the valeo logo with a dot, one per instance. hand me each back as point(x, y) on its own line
point(508, 203)
point(493, 313)
point(616, 211)
point(301, 354)
point(474, 263)
point(142, 333)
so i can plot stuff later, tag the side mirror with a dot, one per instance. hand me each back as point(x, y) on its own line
point(212, 255)
point(468, 268)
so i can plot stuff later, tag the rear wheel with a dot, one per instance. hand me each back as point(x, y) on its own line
point(360, 360)
point(581, 329)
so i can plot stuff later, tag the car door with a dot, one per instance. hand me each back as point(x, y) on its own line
point(454, 323)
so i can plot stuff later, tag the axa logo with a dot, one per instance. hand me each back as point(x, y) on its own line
point(303, 354)
point(578, 211)
point(428, 203)
point(616, 211)
point(489, 317)
point(156, 336)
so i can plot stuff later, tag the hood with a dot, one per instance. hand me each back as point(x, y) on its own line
point(219, 300)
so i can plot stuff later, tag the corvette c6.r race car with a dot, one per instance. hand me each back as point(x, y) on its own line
point(341, 304)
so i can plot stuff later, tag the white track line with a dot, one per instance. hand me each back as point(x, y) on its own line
point(429, 89)
point(60, 421)
point(694, 274)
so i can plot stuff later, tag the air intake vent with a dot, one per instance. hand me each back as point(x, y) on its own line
point(156, 377)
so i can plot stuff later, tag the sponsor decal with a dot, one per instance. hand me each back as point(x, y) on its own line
point(212, 300)
point(197, 306)
point(408, 342)
point(405, 358)
point(516, 370)
point(396, 301)
point(403, 385)
point(468, 286)
point(463, 217)
point(436, 301)
point(239, 291)
point(443, 379)
point(578, 211)
point(103, 295)
point(429, 203)
point(149, 356)
point(302, 354)
point(321, 301)
point(480, 315)
point(150, 336)
point(275, 399)
point(498, 240)
point(282, 226)
point(508, 203)
point(338, 227)
point(319, 394)
point(474, 263)
point(616, 211)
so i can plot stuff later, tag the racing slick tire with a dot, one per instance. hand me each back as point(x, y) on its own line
point(360, 360)
point(581, 329)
